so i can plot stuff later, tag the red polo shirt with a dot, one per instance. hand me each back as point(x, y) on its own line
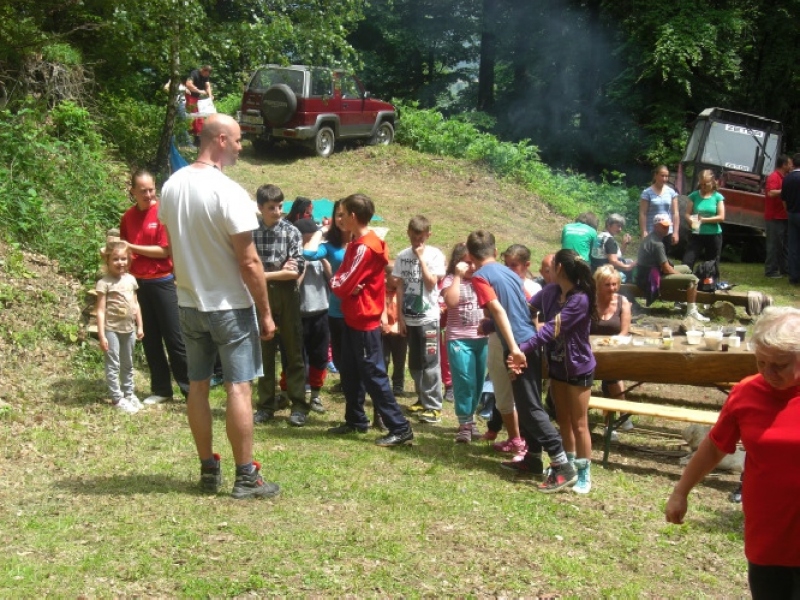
point(773, 205)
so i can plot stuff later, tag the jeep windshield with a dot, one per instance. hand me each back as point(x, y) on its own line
point(734, 147)
point(269, 76)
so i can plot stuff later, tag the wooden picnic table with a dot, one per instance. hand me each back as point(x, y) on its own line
point(682, 364)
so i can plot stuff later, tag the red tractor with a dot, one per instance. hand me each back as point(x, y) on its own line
point(741, 149)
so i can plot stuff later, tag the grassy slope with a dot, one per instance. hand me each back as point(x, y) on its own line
point(99, 504)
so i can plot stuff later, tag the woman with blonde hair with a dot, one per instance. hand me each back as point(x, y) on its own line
point(613, 318)
point(705, 212)
point(657, 199)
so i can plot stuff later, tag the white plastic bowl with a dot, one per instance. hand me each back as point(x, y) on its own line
point(713, 340)
point(693, 337)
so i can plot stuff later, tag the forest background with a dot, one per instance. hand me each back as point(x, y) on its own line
point(573, 94)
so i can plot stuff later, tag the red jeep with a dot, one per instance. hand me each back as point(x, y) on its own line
point(314, 106)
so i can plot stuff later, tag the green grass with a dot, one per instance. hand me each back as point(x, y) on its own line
point(99, 504)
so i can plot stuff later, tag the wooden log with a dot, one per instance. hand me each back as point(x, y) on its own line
point(672, 413)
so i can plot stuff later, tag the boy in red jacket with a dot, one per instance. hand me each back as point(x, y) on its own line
point(361, 286)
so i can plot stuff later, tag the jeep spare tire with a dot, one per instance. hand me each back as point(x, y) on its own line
point(278, 104)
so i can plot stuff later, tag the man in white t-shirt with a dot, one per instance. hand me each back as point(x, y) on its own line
point(210, 221)
point(420, 268)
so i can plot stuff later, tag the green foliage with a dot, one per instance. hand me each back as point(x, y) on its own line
point(133, 126)
point(567, 192)
point(58, 196)
point(228, 104)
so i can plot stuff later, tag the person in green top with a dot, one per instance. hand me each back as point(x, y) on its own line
point(580, 235)
point(705, 212)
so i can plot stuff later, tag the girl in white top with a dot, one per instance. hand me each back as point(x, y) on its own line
point(119, 324)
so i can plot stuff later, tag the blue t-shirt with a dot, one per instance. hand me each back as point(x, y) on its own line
point(495, 281)
point(335, 256)
point(658, 203)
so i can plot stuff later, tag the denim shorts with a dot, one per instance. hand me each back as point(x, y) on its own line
point(579, 380)
point(231, 333)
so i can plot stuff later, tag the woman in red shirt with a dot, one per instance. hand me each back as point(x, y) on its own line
point(157, 295)
point(763, 411)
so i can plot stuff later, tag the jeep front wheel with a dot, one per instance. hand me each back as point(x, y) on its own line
point(384, 135)
point(324, 142)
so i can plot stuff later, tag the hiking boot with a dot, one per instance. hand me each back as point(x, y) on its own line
point(316, 405)
point(211, 477)
point(346, 428)
point(430, 416)
point(530, 464)
point(396, 439)
point(262, 415)
point(125, 406)
point(156, 399)
point(511, 446)
point(449, 396)
point(584, 484)
point(464, 435)
point(559, 477)
point(415, 408)
point(252, 485)
point(297, 418)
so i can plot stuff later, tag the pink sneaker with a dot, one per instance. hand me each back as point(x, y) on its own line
point(511, 446)
point(489, 436)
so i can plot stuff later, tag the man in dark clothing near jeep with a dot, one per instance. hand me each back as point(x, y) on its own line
point(790, 194)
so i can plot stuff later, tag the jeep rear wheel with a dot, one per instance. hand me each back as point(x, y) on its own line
point(324, 142)
point(384, 135)
point(278, 104)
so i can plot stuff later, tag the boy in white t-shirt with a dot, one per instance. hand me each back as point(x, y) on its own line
point(419, 270)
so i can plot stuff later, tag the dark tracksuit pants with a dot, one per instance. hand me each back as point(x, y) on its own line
point(363, 371)
point(158, 301)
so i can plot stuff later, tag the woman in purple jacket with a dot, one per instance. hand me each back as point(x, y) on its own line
point(566, 309)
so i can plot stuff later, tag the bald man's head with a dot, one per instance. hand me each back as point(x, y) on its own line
point(221, 138)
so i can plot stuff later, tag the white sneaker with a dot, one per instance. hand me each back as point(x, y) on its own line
point(126, 406)
point(693, 314)
point(155, 399)
point(627, 425)
point(134, 400)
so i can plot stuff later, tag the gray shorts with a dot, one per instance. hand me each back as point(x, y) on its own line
point(231, 333)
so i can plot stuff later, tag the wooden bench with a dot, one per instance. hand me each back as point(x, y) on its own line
point(743, 299)
point(627, 408)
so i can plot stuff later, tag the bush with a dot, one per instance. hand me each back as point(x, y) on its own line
point(133, 126)
point(567, 192)
point(58, 195)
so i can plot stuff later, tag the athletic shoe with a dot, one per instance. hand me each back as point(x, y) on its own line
point(430, 416)
point(297, 418)
point(415, 408)
point(736, 495)
point(346, 428)
point(559, 477)
point(464, 435)
point(775, 276)
point(156, 399)
point(627, 425)
point(316, 405)
point(211, 477)
point(511, 446)
point(134, 400)
point(252, 485)
point(584, 484)
point(475, 431)
point(489, 436)
point(694, 314)
point(529, 465)
point(262, 415)
point(332, 368)
point(217, 380)
point(448, 394)
point(395, 439)
point(125, 406)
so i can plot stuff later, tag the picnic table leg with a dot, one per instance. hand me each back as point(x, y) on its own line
point(607, 438)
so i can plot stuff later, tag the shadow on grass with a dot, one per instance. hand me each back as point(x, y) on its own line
point(79, 392)
point(128, 485)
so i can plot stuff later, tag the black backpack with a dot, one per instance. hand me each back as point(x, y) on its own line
point(706, 272)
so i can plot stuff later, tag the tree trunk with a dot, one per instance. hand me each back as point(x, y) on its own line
point(161, 166)
point(488, 56)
